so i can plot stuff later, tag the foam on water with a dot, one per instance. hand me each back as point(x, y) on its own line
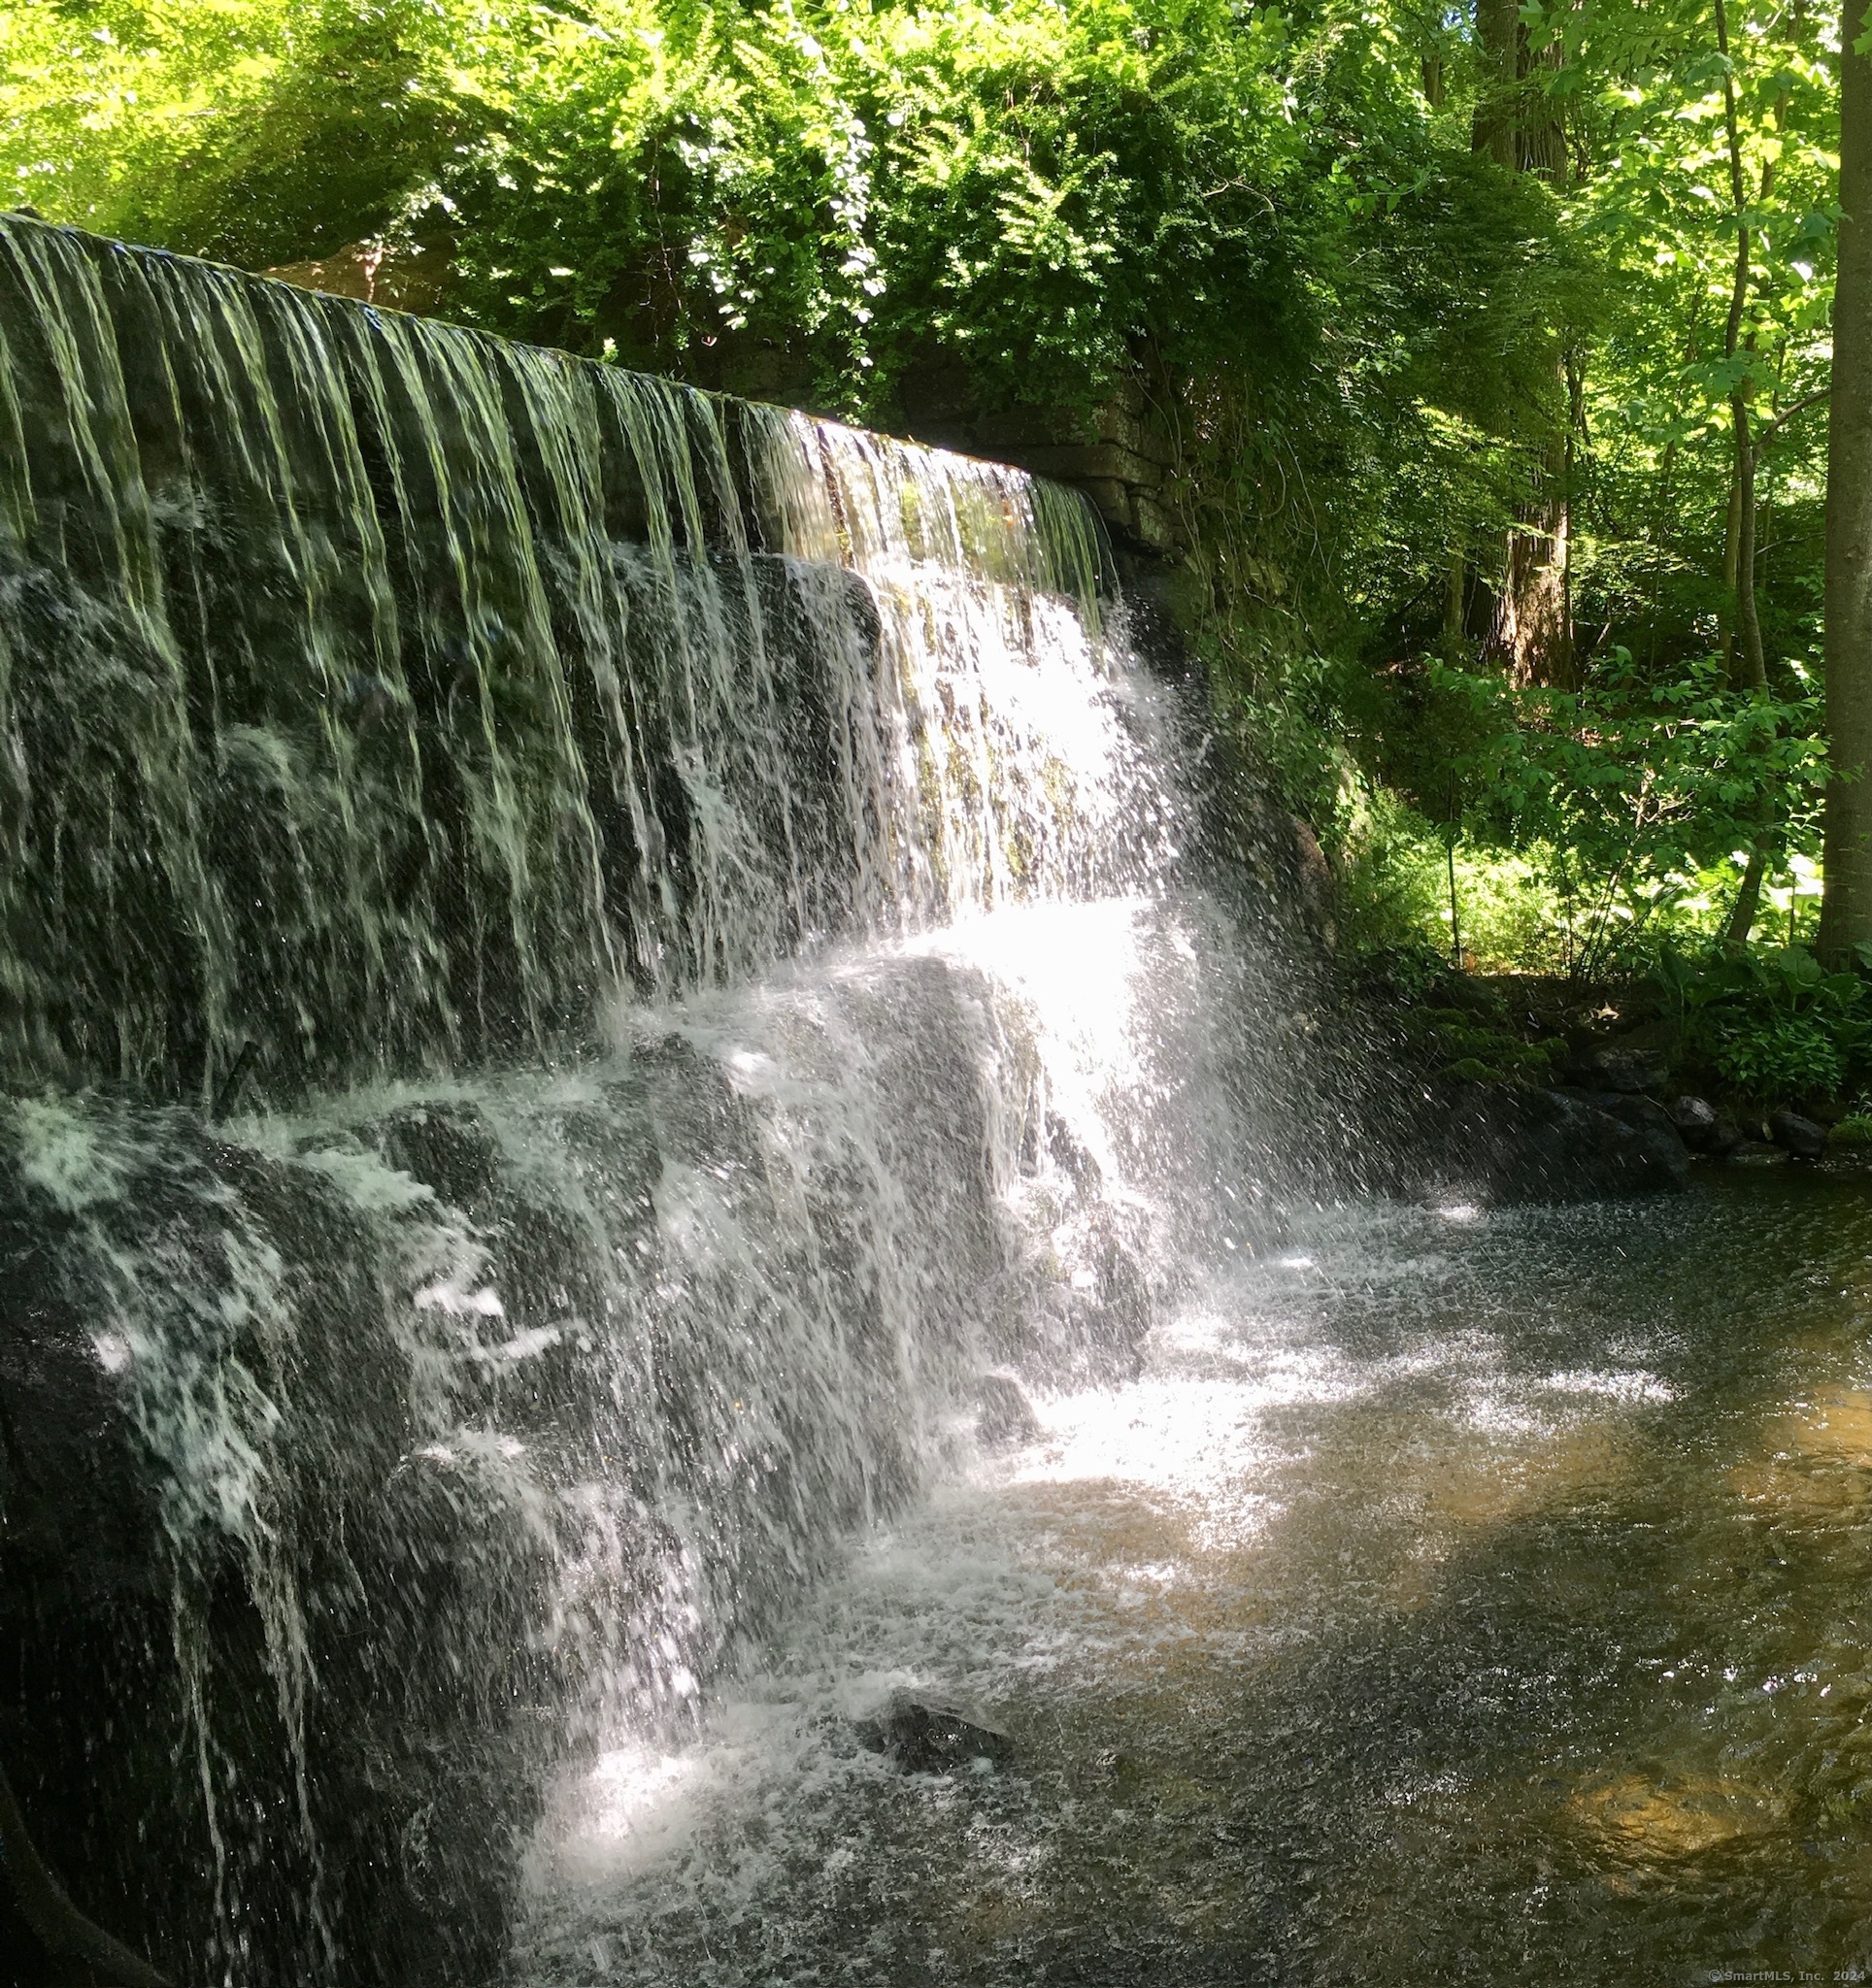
point(1269, 1624)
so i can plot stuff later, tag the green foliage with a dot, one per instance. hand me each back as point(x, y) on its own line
point(1377, 348)
point(1772, 1023)
point(251, 130)
point(1787, 1056)
point(1634, 790)
point(1581, 846)
point(1029, 187)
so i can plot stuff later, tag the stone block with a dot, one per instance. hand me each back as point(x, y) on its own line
point(1155, 524)
point(1078, 463)
point(1112, 499)
point(1138, 433)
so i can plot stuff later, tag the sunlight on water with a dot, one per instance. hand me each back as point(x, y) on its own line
point(678, 1144)
point(1396, 1599)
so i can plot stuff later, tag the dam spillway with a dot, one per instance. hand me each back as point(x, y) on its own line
point(381, 694)
point(641, 1104)
point(576, 961)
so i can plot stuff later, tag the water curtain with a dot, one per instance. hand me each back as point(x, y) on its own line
point(577, 960)
point(377, 696)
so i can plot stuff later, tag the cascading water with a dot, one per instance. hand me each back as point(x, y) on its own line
point(579, 960)
point(381, 695)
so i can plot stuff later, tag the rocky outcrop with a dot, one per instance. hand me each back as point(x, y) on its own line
point(1639, 1060)
point(1500, 1144)
point(374, 273)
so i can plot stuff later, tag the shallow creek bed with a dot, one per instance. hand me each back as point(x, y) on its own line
point(1456, 1597)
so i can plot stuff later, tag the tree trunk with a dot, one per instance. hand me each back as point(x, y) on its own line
point(1846, 908)
point(1748, 902)
point(1516, 123)
point(1744, 651)
point(1498, 38)
point(1748, 621)
point(1532, 631)
point(1519, 125)
point(1739, 564)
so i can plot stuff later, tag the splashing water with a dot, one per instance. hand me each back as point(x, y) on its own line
point(589, 976)
point(582, 960)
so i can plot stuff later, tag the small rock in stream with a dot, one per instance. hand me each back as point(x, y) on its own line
point(1704, 1129)
point(1803, 1139)
point(927, 1733)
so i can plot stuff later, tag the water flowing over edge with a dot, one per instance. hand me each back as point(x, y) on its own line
point(448, 746)
point(376, 696)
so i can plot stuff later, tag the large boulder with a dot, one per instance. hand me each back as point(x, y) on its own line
point(1802, 1137)
point(1503, 1144)
point(1704, 1129)
point(1649, 1120)
point(1639, 1060)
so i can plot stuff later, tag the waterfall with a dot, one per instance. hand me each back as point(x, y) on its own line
point(577, 961)
point(381, 695)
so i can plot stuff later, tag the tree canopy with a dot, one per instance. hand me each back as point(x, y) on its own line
point(1419, 291)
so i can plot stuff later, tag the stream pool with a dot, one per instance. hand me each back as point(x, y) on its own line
point(1456, 1597)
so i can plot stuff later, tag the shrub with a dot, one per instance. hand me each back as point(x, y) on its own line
point(1791, 1056)
point(1774, 1024)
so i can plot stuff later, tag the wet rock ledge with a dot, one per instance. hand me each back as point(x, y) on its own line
point(1506, 1143)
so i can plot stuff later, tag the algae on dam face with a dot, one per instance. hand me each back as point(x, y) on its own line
point(382, 696)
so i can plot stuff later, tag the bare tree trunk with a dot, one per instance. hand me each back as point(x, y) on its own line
point(1747, 620)
point(1748, 902)
point(1745, 651)
point(1518, 123)
point(1455, 583)
point(1542, 147)
point(1846, 907)
point(1742, 503)
point(1532, 631)
point(1498, 37)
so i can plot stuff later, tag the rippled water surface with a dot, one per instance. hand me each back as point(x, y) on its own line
point(1456, 1597)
